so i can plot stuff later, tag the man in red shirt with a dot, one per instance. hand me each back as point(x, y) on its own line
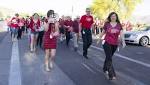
point(86, 23)
point(14, 27)
point(68, 25)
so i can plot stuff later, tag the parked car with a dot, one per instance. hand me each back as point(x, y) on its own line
point(138, 37)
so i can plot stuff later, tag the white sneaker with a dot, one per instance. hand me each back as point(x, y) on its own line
point(51, 64)
point(47, 68)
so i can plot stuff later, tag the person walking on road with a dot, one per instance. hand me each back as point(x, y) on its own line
point(35, 25)
point(68, 26)
point(76, 32)
point(51, 27)
point(62, 28)
point(14, 27)
point(86, 23)
point(112, 31)
point(41, 33)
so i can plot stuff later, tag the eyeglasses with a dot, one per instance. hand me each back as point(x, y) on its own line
point(88, 11)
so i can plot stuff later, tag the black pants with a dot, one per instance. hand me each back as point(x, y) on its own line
point(19, 33)
point(68, 37)
point(40, 38)
point(87, 40)
point(109, 52)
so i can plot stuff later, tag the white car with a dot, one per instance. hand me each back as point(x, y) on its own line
point(138, 37)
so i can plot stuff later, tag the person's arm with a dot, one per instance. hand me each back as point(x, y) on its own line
point(122, 38)
point(80, 25)
point(46, 26)
point(103, 33)
point(80, 28)
point(56, 33)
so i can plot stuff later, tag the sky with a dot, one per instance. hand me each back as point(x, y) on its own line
point(63, 6)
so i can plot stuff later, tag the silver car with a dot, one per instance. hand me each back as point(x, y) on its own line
point(138, 37)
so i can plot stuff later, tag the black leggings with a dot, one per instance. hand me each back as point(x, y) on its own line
point(109, 52)
point(40, 38)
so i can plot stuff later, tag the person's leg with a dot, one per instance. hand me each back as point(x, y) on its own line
point(38, 39)
point(12, 34)
point(19, 33)
point(15, 34)
point(89, 38)
point(61, 34)
point(85, 43)
point(35, 41)
point(67, 38)
point(52, 56)
point(75, 41)
point(31, 42)
point(47, 56)
point(111, 69)
point(41, 39)
point(107, 50)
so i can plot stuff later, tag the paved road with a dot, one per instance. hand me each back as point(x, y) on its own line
point(20, 67)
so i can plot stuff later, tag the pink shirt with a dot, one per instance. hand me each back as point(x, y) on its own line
point(112, 33)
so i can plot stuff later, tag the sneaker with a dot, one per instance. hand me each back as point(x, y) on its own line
point(51, 64)
point(112, 78)
point(75, 49)
point(85, 56)
point(47, 68)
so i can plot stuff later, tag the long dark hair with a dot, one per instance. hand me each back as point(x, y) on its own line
point(109, 17)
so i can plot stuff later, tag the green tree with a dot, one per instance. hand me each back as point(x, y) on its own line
point(101, 8)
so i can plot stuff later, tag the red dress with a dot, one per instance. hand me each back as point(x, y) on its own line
point(50, 43)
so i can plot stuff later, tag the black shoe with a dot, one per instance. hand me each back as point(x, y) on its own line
point(75, 49)
point(85, 56)
point(112, 78)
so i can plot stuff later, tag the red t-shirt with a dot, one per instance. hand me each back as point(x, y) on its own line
point(68, 23)
point(86, 21)
point(34, 25)
point(76, 26)
point(112, 33)
point(14, 23)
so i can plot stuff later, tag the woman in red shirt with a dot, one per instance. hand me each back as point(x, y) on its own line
point(112, 30)
point(51, 27)
point(34, 26)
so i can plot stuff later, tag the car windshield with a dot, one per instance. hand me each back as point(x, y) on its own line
point(148, 28)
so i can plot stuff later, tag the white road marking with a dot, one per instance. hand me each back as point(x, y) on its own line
point(124, 57)
point(87, 67)
point(15, 74)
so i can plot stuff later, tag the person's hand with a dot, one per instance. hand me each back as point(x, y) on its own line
point(51, 20)
point(80, 34)
point(55, 34)
point(123, 45)
point(98, 41)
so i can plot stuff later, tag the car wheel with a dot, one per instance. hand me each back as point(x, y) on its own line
point(144, 41)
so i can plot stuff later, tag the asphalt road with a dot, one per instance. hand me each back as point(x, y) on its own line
point(131, 64)
point(20, 67)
